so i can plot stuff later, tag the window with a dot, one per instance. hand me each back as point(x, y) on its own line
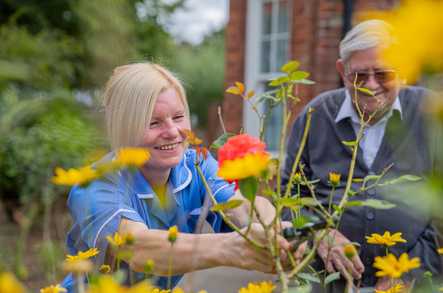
point(267, 49)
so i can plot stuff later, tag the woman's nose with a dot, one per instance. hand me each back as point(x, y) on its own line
point(171, 129)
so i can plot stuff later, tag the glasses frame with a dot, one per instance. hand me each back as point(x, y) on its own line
point(382, 76)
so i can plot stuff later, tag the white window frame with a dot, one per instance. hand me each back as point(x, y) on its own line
point(254, 78)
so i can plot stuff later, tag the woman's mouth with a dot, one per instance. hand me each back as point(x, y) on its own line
point(167, 147)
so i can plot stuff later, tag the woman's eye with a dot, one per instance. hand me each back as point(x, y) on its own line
point(178, 117)
point(154, 124)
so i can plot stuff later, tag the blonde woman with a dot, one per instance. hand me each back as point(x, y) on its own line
point(146, 106)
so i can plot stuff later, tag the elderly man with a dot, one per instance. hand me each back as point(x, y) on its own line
point(396, 136)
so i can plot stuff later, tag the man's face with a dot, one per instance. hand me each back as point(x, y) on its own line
point(365, 69)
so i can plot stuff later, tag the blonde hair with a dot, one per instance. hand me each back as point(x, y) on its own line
point(129, 98)
point(366, 35)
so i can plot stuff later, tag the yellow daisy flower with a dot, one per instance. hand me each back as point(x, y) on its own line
point(104, 269)
point(440, 251)
point(53, 289)
point(263, 287)
point(394, 268)
point(416, 25)
point(172, 234)
point(83, 255)
point(132, 157)
point(72, 176)
point(385, 239)
point(9, 284)
point(398, 288)
point(349, 250)
point(334, 178)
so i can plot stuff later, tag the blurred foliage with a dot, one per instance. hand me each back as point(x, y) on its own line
point(36, 135)
point(54, 48)
point(201, 69)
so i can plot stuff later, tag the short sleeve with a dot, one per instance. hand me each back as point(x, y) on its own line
point(221, 189)
point(96, 211)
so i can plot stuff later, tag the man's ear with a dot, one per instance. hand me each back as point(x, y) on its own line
point(340, 66)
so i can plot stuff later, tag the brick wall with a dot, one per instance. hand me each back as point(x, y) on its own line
point(317, 27)
point(234, 64)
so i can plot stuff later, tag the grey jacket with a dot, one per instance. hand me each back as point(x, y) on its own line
point(405, 145)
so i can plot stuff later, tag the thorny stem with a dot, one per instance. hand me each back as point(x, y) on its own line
point(226, 218)
point(220, 118)
point(285, 120)
point(309, 257)
point(299, 152)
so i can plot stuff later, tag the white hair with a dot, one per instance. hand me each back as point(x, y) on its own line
point(367, 34)
point(129, 98)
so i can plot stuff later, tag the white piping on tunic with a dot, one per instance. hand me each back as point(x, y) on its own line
point(107, 222)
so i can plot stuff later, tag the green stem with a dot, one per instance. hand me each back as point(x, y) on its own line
point(299, 151)
point(225, 218)
point(285, 121)
point(170, 268)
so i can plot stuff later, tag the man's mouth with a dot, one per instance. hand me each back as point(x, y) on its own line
point(167, 147)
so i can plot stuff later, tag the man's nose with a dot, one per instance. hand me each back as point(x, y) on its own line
point(371, 82)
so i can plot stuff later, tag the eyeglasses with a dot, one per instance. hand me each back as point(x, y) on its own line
point(381, 76)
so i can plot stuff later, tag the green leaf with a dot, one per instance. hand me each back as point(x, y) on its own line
point(299, 222)
point(248, 187)
point(298, 75)
point(296, 202)
point(305, 288)
point(373, 203)
point(365, 91)
point(332, 277)
point(350, 143)
point(291, 66)
point(232, 204)
point(401, 179)
point(221, 140)
point(278, 81)
point(309, 277)
point(352, 192)
point(305, 81)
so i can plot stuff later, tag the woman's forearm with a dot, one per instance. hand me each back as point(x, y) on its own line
point(190, 252)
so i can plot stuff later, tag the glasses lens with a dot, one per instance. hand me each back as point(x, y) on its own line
point(385, 76)
point(360, 78)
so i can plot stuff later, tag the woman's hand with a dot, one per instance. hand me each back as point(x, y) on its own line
point(242, 254)
point(332, 254)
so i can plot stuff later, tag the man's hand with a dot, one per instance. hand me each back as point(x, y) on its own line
point(332, 254)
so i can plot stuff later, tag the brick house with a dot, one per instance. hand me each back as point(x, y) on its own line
point(261, 35)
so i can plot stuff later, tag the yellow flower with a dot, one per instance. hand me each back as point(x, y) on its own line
point(440, 251)
point(387, 239)
point(263, 287)
point(249, 165)
point(398, 288)
point(105, 269)
point(132, 157)
point(118, 240)
point(78, 266)
point(416, 26)
point(9, 284)
point(148, 267)
point(178, 290)
point(83, 255)
point(192, 138)
point(53, 289)
point(392, 267)
point(334, 178)
point(72, 176)
point(105, 284)
point(172, 234)
point(349, 250)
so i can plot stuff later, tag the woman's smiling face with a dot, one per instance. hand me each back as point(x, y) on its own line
point(164, 136)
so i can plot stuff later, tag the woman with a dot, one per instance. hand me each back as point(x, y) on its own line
point(145, 106)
